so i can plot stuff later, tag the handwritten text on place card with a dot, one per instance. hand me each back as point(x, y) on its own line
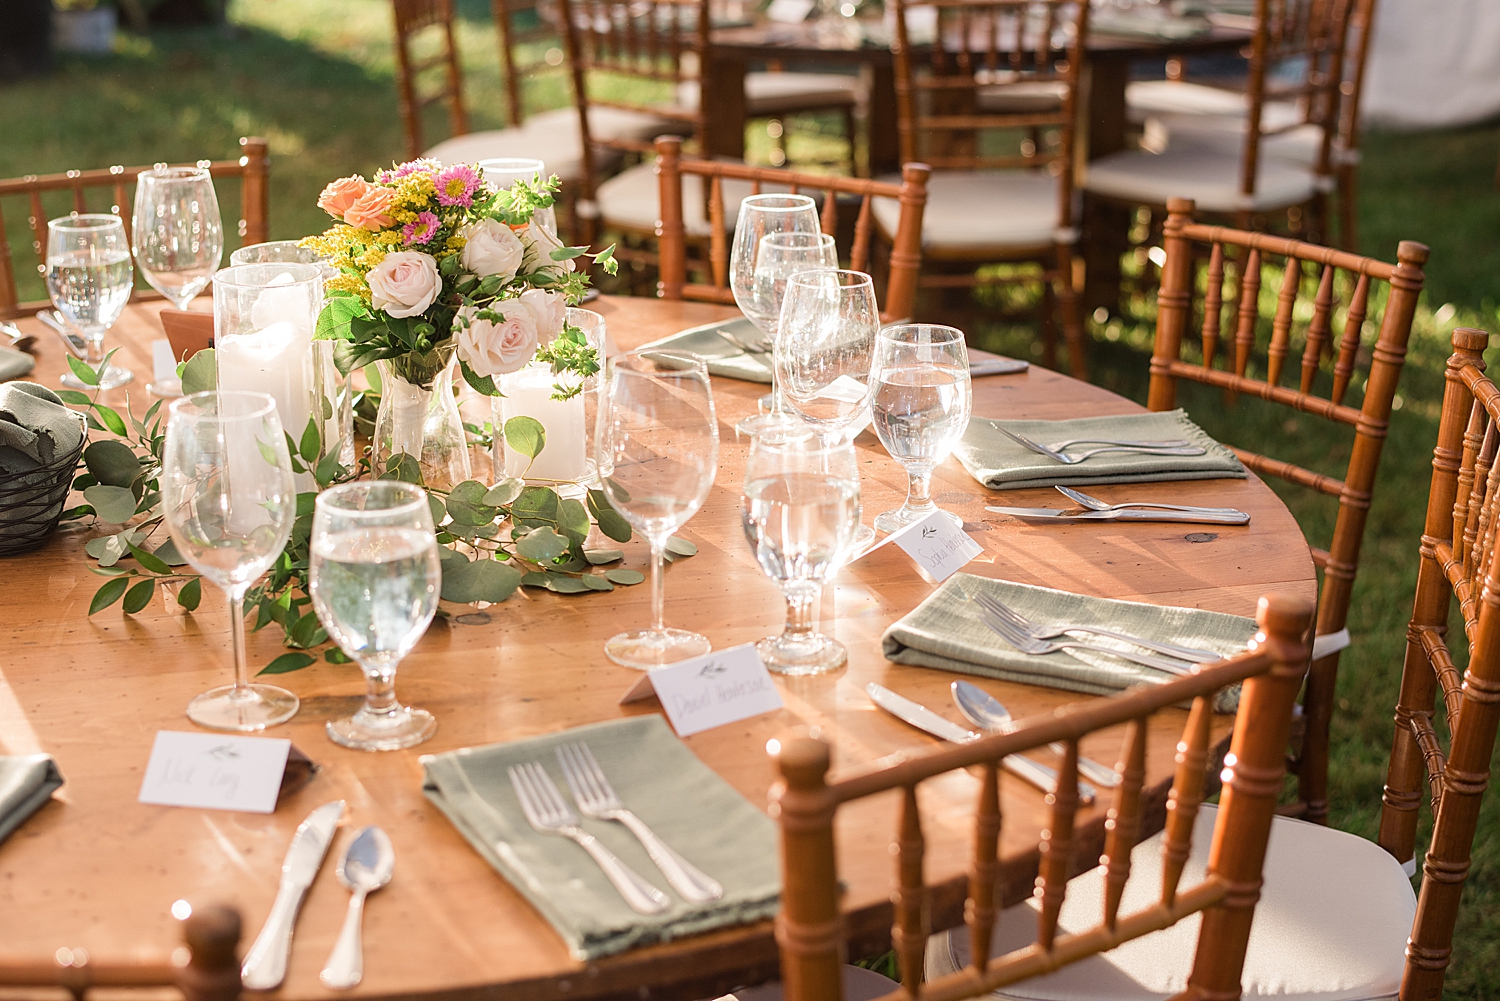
point(937, 544)
point(704, 692)
point(215, 771)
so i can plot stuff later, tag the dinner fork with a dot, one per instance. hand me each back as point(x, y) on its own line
point(1069, 460)
point(1028, 644)
point(597, 800)
point(749, 347)
point(1095, 504)
point(1162, 443)
point(547, 812)
point(1040, 632)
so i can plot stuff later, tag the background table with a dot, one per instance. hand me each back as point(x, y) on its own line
point(96, 869)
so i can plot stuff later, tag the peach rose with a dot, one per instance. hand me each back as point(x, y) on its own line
point(550, 311)
point(341, 194)
point(372, 210)
point(500, 347)
point(405, 283)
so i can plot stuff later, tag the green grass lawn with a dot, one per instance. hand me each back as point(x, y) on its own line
point(315, 78)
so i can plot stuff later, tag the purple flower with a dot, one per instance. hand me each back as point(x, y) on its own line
point(407, 169)
point(456, 185)
point(421, 230)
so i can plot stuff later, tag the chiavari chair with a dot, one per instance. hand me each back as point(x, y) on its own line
point(1225, 356)
point(700, 199)
point(1002, 184)
point(1209, 861)
point(114, 193)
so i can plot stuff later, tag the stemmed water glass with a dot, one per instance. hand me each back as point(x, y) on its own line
point(921, 408)
point(504, 171)
point(227, 498)
point(177, 234)
point(761, 216)
point(657, 449)
point(801, 517)
point(374, 582)
point(89, 281)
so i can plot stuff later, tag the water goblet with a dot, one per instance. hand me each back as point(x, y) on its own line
point(921, 407)
point(178, 236)
point(801, 516)
point(89, 281)
point(228, 501)
point(504, 171)
point(374, 582)
point(657, 450)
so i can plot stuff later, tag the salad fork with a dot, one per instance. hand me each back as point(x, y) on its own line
point(1069, 460)
point(1026, 643)
point(1039, 632)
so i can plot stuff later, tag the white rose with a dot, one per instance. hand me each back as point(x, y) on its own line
point(491, 248)
point(498, 348)
point(405, 283)
point(541, 244)
point(550, 311)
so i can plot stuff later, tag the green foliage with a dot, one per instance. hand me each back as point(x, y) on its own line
point(199, 373)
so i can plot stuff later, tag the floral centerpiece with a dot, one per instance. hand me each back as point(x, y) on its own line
point(437, 270)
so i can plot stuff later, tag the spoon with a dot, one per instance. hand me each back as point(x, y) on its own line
point(989, 713)
point(365, 868)
point(18, 340)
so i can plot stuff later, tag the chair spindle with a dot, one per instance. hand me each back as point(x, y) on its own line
point(1319, 330)
point(1213, 304)
point(1186, 796)
point(1281, 324)
point(909, 936)
point(1354, 323)
point(1057, 847)
point(979, 909)
point(1244, 336)
point(1123, 828)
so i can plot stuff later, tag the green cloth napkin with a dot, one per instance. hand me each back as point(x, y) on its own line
point(657, 777)
point(947, 632)
point(1002, 464)
point(722, 356)
point(25, 784)
point(35, 427)
point(14, 364)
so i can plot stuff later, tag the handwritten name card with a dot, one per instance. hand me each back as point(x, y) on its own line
point(704, 692)
point(215, 771)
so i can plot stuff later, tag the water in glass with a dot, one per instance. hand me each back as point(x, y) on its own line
point(89, 281)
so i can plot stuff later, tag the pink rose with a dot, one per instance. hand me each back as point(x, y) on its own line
point(492, 347)
point(337, 198)
point(550, 311)
point(372, 209)
point(405, 283)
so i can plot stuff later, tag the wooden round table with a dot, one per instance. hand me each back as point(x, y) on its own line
point(98, 870)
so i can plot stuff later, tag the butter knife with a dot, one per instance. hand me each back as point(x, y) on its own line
point(919, 716)
point(265, 963)
point(73, 341)
point(1226, 517)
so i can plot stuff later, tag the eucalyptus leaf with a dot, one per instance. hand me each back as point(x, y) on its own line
point(534, 578)
point(504, 492)
point(287, 663)
point(479, 580)
point(115, 505)
point(439, 512)
point(563, 584)
point(139, 596)
point(598, 556)
point(610, 521)
point(108, 594)
point(446, 556)
point(526, 436)
point(112, 463)
point(191, 594)
point(201, 373)
point(620, 575)
point(678, 546)
point(466, 505)
point(596, 582)
point(535, 506)
point(542, 545)
point(168, 554)
point(573, 519)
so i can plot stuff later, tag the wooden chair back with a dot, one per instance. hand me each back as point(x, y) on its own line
point(417, 85)
point(531, 48)
point(1459, 558)
point(114, 193)
point(804, 801)
point(1226, 354)
point(905, 260)
point(211, 937)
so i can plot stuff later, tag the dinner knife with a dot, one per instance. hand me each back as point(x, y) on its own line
point(1228, 517)
point(265, 963)
point(70, 339)
point(919, 716)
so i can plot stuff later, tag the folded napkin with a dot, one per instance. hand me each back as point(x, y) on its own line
point(25, 784)
point(657, 777)
point(1002, 464)
point(35, 427)
point(1140, 26)
point(722, 356)
point(14, 364)
point(947, 632)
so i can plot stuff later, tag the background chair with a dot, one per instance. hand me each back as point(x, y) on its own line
point(252, 170)
point(692, 214)
point(1002, 183)
point(1224, 361)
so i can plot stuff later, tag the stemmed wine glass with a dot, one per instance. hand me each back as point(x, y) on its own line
point(374, 582)
point(89, 281)
point(761, 216)
point(658, 449)
point(228, 500)
point(921, 408)
point(801, 516)
point(177, 234)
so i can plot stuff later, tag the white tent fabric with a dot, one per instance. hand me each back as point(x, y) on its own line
point(1433, 63)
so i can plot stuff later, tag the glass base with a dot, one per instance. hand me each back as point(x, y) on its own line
point(165, 388)
point(113, 376)
point(367, 731)
point(243, 710)
point(647, 648)
point(891, 521)
point(806, 655)
point(769, 422)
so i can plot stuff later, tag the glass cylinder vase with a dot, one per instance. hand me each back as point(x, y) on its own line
point(422, 422)
point(568, 424)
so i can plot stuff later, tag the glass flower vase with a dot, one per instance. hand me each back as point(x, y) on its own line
point(422, 422)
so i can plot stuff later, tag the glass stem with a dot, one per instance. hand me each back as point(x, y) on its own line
point(237, 631)
point(801, 613)
point(380, 691)
point(658, 587)
point(93, 347)
point(919, 489)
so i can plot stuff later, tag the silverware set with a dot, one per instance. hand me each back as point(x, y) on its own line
point(547, 812)
point(1056, 451)
point(1098, 510)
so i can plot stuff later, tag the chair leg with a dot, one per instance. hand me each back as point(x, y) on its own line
point(1312, 766)
point(1349, 206)
point(852, 136)
point(1072, 320)
point(1049, 322)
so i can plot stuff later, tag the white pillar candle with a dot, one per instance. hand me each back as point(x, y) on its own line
point(528, 393)
point(274, 361)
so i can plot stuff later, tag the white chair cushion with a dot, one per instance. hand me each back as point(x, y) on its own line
point(859, 985)
point(1178, 97)
point(1201, 171)
point(1300, 146)
point(1331, 925)
point(558, 148)
point(608, 123)
point(631, 200)
point(976, 211)
point(1022, 97)
point(783, 93)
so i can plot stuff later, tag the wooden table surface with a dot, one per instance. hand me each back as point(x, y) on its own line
point(96, 869)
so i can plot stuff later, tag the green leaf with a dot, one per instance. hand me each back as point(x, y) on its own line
point(311, 440)
point(678, 546)
point(466, 505)
point(595, 582)
point(609, 520)
point(526, 435)
point(599, 556)
point(439, 512)
point(191, 594)
point(621, 575)
point(504, 492)
point(108, 594)
point(560, 583)
point(83, 371)
point(403, 467)
point(535, 506)
point(479, 580)
point(201, 373)
point(112, 571)
point(112, 463)
point(336, 656)
point(484, 384)
point(542, 545)
point(568, 253)
point(338, 313)
point(267, 451)
point(149, 560)
point(304, 630)
point(115, 505)
point(168, 554)
point(573, 519)
point(328, 468)
point(74, 397)
point(111, 420)
point(139, 596)
point(287, 663)
point(108, 549)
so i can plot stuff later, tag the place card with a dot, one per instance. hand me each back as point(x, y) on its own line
point(704, 692)
point(938, 546)
point(215, 771)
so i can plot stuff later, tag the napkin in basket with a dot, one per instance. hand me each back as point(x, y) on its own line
point(664, 783)
point(26, 783)
point(1002, 464)
point(947, 632)
point(722, 356)
point(35, 428)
